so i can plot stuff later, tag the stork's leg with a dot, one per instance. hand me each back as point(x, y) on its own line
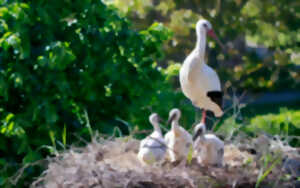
point(203, 119)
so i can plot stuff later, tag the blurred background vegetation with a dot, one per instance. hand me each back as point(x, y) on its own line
point(118, 60)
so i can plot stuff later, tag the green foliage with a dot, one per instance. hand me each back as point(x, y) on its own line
point(284, 122)
point(287, 122)
point(60, 58)
point(229, 128)
point(239, 24)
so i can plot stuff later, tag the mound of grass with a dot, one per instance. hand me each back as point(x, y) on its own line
point(113, 163)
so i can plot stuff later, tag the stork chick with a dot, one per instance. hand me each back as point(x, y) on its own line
point(153, 148)
point(208, 148)
point(178, 140)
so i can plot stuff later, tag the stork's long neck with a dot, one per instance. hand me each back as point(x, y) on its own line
point(201, 44)
point(156, 127)
point(175, 125)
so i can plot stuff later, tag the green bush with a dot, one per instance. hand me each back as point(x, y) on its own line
point(287, 122)
point(60, 58)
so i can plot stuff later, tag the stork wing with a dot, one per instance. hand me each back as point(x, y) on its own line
point(211, 79)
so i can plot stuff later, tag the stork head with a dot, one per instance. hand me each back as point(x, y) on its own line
point(199, 130)
point(204, 25)
point(174, 115)
point(154, 120)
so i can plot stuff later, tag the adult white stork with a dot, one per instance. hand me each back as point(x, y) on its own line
point(199, 82)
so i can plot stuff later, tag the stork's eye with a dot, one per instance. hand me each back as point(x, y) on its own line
point(205, 25)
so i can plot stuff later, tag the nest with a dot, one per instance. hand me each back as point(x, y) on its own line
point(114, 164)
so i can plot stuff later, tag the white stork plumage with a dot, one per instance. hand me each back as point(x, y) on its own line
point(208, 148)
point(199, 82)
point(153, 148)
point(178, 140)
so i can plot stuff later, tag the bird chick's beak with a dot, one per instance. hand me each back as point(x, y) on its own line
point(171, 118)
point(212, 34)
point(160, 120)
point(195, 136)
point(198, 133)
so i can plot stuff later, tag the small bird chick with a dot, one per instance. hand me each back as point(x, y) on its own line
point(208, 148)
point(178, 140)
point(153, 148)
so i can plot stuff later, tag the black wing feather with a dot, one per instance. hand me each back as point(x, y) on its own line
point(217, 97)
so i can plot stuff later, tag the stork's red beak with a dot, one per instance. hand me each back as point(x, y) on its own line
point(212, 34)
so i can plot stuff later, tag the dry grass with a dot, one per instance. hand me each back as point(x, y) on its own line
point(113, 164)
